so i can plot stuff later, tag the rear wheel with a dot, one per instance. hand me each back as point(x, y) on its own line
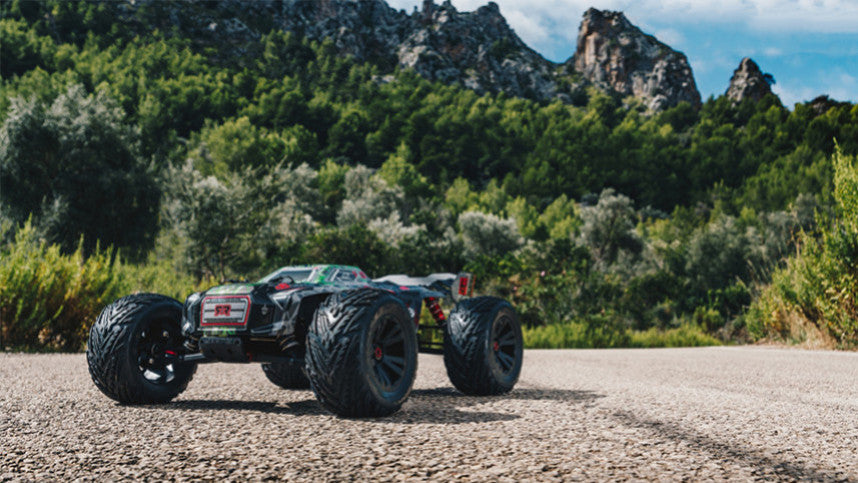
point(286, 375)
point(483, 346)
point(133, 350)
point(362, 353)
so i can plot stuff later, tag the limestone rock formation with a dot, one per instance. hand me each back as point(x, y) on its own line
point(614, 54)
point(748, 82)
point(477, 50)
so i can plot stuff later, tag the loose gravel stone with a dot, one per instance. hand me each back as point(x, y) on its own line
point(715, 413)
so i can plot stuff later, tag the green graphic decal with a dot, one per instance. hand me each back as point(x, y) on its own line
point(219, 331)
point(232, 289)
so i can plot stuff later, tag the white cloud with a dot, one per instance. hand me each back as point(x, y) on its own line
point(823, 16)
point(837, 84)
point(671, 37)
point(529, 27)
point(790, 94)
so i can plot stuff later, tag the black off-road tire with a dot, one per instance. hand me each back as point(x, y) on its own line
point(286, 375)
point(483, 346)
point(355, 346)
point(115, 341)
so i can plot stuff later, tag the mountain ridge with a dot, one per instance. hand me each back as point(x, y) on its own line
point(475, 49)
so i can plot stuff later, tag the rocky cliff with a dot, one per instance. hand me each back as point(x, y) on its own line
point(615, 55)
point(477, 50)
point(748, 82)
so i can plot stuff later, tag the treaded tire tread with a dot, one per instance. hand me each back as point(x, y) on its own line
point(334, 352)
point(466, 346)
point(286, 375)
point(107, 352)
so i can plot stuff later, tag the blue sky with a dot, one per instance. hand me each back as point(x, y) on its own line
point(809, 46)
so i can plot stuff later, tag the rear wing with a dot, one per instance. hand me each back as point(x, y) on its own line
point(463, 286)
point(458, 286)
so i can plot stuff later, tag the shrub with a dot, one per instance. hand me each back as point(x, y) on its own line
point(48, 299)
point(596, 332)
point(354, 245)
point(686, 335)
point(608, 228)
point(818, 285)
point(231, 224)
point(487, 234)
point(75, 167)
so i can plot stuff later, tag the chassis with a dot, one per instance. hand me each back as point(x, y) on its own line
point(353, 340)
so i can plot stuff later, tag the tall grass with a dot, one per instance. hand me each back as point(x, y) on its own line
point(581, 335)
point(48, 299)
point(814, 296)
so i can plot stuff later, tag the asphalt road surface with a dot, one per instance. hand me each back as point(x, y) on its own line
point(716, 413)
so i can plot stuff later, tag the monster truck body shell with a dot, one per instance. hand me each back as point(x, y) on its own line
point(351, 339)
point(268, 320)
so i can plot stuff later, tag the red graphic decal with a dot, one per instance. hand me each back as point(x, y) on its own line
point(463, 286)
point(222, 310)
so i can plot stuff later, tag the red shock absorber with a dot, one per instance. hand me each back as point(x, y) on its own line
point(435, 310)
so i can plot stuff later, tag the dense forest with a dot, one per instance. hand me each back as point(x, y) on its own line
point(145, 159)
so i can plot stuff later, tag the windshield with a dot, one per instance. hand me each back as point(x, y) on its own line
point(297, 274)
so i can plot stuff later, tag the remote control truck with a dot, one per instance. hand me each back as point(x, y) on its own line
point(353, 340)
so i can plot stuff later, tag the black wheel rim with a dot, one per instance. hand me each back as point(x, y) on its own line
point(504, 344)
point(157, 348)
point(387, 353)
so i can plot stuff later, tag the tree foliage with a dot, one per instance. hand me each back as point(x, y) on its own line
point(814, 295)
point(74, 165)
point(224, 159)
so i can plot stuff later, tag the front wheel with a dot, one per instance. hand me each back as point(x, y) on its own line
point(362, 353)
point(133, 347)
point(483, 346)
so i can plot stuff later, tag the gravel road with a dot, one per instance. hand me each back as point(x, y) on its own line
point(715, 413)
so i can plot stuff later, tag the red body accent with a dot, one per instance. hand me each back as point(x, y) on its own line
point(463, 285)
point(281, 286)
point(435, 310)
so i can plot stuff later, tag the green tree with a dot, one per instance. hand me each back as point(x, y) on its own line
point(489, 235)
point(608, 228)
point(230, 226)
point(75, 166)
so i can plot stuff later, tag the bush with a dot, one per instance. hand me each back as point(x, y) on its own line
point(686, 335)
point(489, 235)
point(818, 285)
point(597, 333)
point(355, 245)
point(75, 167)
point(230, 226)
point(608, 228)
point(48, 299)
